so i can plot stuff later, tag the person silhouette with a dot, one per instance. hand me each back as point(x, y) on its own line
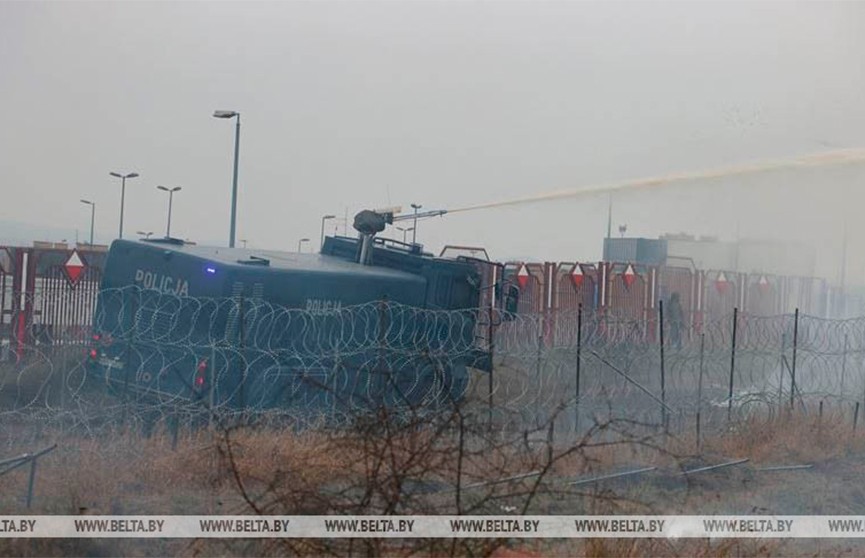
point(676, 319)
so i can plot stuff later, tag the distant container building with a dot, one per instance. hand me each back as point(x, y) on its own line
point(648, 251)
point(708, 253)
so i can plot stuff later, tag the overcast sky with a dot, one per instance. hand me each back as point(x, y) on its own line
point(347, 105)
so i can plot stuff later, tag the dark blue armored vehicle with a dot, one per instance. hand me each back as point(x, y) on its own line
point(367, 322)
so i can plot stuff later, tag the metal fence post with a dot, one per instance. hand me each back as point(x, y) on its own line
point(7, 465)
point(820, 416)
point(732, 364)
point(663, 379)
point(700, 387)
point(579, 356)
point(783, 363)
point(843, 367)
point(538, 375)
point(490, 315)
point(795, 346)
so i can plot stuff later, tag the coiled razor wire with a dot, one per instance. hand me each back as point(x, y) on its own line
point(140, 361)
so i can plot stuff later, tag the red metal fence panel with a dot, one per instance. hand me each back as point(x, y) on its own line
point(46, 297)
point(41, 303)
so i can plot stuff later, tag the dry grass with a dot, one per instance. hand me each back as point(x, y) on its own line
point(695, 548)
point(130, 474)
point(792, 437)
point(367, 470)
point(317, 457)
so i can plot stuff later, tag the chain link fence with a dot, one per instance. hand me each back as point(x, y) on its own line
point(159, 359)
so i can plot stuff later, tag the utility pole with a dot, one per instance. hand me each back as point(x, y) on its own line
point(122, 178)
point(92, 219)
point(610, 218)
point(607, 246)
point(414, 227)
point(232, 114)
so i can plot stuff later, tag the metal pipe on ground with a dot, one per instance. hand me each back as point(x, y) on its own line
point(714, 467)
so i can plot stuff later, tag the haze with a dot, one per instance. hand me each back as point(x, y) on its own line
point(352, 105)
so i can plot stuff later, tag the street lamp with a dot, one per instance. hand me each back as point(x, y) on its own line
point(170, 199)
point(122, 178)
point(404, 231)
point(323, 219)
point(92, 217)
point(144, 234)
point(300, 243)
point(232, 114)
point(416, 206)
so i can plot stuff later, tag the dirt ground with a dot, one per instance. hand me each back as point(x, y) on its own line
point(126, 473)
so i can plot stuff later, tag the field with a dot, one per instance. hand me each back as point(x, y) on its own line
point(447, 464)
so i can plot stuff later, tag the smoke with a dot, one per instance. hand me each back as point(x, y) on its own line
point(824, 159)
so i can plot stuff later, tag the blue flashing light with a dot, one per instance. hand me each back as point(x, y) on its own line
point(210, 270)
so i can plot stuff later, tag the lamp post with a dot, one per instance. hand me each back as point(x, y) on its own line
point(170, 199)
point(92, 217)
point(232, 114)
point(404, 232)
point(122, 178)
point(416, 206)
point(144, 234)
point(323, 219)
point(300, 243)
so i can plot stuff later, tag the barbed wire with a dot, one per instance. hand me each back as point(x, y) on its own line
point(150, 357)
